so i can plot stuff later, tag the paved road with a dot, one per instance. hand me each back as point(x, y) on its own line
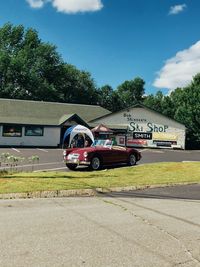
point(190, 192)
point(165, 155)
point(51, 159)
point(142, 229)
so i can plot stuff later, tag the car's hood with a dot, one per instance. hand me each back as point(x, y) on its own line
point(87, 149)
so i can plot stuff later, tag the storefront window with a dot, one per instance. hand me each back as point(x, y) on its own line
point(34, 131)
point(12, 131)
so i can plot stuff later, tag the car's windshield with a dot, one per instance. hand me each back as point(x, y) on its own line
point(104, 143)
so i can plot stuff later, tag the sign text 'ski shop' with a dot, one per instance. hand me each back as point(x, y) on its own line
point(142, 132)
point(146, 127)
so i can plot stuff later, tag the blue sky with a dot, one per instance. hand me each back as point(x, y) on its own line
point(118, 40)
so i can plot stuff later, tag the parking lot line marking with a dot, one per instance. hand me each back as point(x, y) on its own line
point(185, 161)
point(151, 150)
point(15, 149)
point(142, 150)
point(44, 150)
point(179, 151)
point(54, 169)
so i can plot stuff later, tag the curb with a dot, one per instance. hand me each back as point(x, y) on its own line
point(49, 194)
point(81, 192)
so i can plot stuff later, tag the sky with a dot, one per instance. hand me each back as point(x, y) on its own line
point(118, 40)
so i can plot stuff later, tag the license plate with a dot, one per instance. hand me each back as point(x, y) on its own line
point(72, 157)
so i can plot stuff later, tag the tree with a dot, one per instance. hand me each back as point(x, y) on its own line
point(154, 101)
point(131, 91)
point(105, 96)
point(109, 98)
point(168, 107)
point(32, 69)
point(77, 86)
point(29, 68)
point(188, 111)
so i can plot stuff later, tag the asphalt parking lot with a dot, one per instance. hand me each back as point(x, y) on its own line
point(147, 228)
point(52, 160)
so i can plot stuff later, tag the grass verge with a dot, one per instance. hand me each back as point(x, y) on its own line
point(149, 174)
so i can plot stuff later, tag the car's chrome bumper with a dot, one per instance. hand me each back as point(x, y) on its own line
point(76, 161)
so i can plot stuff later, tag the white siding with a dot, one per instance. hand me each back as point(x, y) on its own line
point(141, 120)
point(51, 137)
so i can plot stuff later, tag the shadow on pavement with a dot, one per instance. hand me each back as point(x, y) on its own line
point(190, 192)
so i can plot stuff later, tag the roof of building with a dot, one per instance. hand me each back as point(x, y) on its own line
point(46, 113)
point(137, 105)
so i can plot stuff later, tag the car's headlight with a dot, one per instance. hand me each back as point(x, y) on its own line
point(64, 153)
point(85, 154)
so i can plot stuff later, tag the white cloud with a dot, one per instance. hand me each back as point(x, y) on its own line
point(69, 6)
point(179, 70)
point(36, 3)
point(177, 9)
point(74, 6)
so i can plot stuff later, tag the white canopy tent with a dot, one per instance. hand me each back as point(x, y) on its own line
point(78, 129)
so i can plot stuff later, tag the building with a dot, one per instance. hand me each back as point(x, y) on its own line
point(37, 123)
point(140, 126)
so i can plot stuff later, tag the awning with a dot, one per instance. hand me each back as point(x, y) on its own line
point(102, 129)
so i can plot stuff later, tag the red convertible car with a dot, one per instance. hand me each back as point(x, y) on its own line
point(101, 153)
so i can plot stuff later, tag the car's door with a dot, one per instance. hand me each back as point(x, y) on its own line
point(107, 155)
point(119, 154)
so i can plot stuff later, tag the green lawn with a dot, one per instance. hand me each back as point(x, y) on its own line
point(149, 174)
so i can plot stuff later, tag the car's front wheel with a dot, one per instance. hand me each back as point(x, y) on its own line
point(70, 166)
point(95, 163)
point(131, 160)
